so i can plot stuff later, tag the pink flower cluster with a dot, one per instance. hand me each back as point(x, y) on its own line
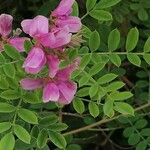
point(51, 35)
point(5, 31)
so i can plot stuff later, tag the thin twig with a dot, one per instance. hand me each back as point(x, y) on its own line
point(105, 120)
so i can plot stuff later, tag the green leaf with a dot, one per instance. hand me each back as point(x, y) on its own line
point(134, 59)
point(83, 92)
point(141, 124)
point(9, 70)
point(49, 120)
point(58, 127)
point(75, 9)
point(22, 134)
point(28, 116)
point(57, 139)
point(124, 108)
point(141, 146)
point(132, 39)
point(42, 138)
point(86, 32)
point(96, 68)
point(4, 126)
point(115, 59)
point(106, 3)
point(113, 36)
point(31, 98)
point(115, 86)
point(147, 58)
point(85, 60)
point(93, 90)
point(145, 132)
point(6, 108)
point(147, 45)
point(83, 80)
point(128, 131)
point(101, 15)
point(3, 83)
point(73, 147)
point(134, 139)
point(34, 131)
point(10, 94)
point(94, 41)
point(12, 52)
point(90, 4)
point(7, 142)
point(13, 83)
point(121, 96)
point(142, 14)
point(78, 105)
point(107, 78)
point(108, 108)
point(2, 58)
point(93, 109)
point(28, 45)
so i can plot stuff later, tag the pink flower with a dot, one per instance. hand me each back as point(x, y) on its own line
point(62, 37)
point(59, 89)
point(35, 61)
point(35, 27)
point(50, 92)
point(64, 8)
point(58, 37)
point(5, 24)
point(18, 43)
point(73, 23)
point(62, 16)
point(31, 84)
point(53, 64)
point(38, 28)
point(5, 30)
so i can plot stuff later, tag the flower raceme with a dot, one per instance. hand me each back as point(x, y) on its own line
point(51, 37)
point(5, 31)
point(57, 89)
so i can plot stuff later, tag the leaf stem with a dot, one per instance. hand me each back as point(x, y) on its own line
point(118, 53)
point(105, 120)
point(15, 116)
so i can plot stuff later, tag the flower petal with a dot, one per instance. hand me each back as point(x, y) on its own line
point(5, 24)
point(26, 24)
point(35, 27)
point(74, 23)
point(47, 39)
point(62, 37)
point(35, 61)
point(50, 93)
point(64, 74)
point(31, 84)
point(18, 43)
point(63, 8)
point(53, 64)
point(67, 90)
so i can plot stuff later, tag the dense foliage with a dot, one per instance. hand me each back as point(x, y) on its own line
point(111, 58)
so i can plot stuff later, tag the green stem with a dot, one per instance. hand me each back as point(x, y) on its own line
point(118, 53)
point(15, 116)
point(105, 120)
point(84, 16)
